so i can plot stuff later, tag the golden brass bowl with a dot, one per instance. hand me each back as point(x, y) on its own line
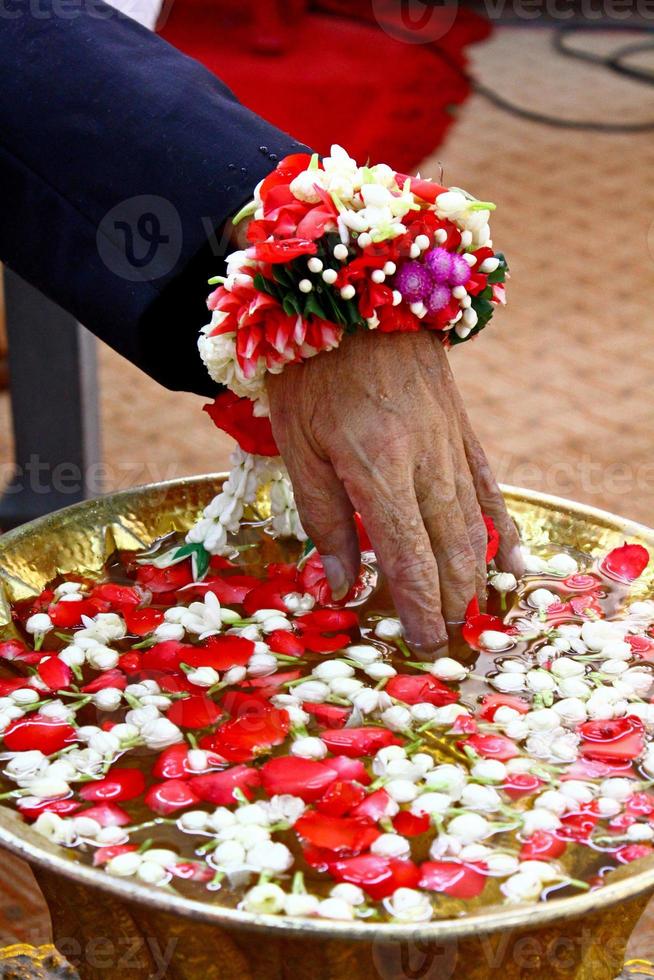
point(86, 902)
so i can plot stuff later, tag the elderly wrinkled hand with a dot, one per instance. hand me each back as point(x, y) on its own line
point(378, 427)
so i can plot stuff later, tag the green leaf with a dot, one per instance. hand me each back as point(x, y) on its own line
point(313, 306)
point(291, 305)
point(200, 558)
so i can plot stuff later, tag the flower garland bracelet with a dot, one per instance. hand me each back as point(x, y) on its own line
point(334, 247)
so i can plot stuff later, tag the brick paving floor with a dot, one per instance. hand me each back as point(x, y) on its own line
point(561, 388)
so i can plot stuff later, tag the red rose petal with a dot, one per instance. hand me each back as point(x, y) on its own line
point(356, 742)
point(118, 785)
point(218, 787)
point(34, 731)
point(452, 878)
point(305, 778)
point(174, 794)
point(625, 564)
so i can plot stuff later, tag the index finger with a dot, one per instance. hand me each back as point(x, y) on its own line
point(403, 548)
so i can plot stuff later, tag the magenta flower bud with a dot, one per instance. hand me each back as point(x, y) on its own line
point(414, 282)
point(438, 298)
point(460, 271)
point(439, 263)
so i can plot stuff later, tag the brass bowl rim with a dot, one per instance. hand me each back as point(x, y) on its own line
point(491, 919)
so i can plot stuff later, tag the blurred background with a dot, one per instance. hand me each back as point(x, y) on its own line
point(546, 109)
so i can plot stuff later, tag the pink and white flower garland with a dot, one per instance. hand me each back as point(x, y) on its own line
point(334, 247)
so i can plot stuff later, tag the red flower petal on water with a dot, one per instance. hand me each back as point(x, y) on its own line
point(376, 805)
point(165, 579)
point(35, 731)
point(118, 785)
point(244, 738)
point(218, 787)
point(268, 595)
point(174, 794)
point(633, 852)
point(452, 878)
point(236, 417)
point(464, 725)
point(348, 768)
point(493, 746)
point(108, 678)
point(581, 583)
point(356, 742)
point(171, 764)
point(378, 876)
point(305, 778)
point(198, 711)
point(345, 835)
point(477, 623)
point(577, 826)
point(130, 662)
point(269, 685)
point(9, 686)
point(625, 563)
point(55, 674)
point(221, 653)
point(237, 703)
point(63, 808)
point(519, 784)
point(541, 846)
point(491, 702)
point(286, 642)
point(612, 739)
point(340, 798)
point(410, 824)
point(107, 815)
point(318, 643)
point(420, 688)
point(232, 590)
point(191, 871)
point(329, 715)
point(104, 854)
point(493, 543)
point(118, 596)
point(67, 615)
point(140, 622)
point(328, 620)
point(16, 650)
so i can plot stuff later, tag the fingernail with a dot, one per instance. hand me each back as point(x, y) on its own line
point(335, 572)
point(428, 651)
point(517, 561)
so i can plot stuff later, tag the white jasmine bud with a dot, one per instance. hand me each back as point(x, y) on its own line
point(309, 748)
point(389, 629)
point(266, 899)
point(448, 669)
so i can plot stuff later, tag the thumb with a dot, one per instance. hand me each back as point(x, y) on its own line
point(327, 517)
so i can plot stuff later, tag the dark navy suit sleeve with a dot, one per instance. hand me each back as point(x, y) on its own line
point(119, 158)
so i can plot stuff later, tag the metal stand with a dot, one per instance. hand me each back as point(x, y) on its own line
point(53, 386)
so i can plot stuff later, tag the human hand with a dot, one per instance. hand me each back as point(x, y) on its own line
point(378, 426)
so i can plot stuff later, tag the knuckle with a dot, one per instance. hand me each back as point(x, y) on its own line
point(411, 571)
point(462, 562)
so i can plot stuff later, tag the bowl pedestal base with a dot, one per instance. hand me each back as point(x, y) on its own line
point(104, 937)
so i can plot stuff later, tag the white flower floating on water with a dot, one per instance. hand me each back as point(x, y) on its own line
point(271, 723)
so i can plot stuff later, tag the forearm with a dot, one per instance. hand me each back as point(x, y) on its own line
point(96, 112)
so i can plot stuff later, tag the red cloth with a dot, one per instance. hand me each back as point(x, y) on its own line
point(340, 77)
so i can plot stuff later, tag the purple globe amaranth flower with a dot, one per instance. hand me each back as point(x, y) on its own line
point(414, 282)
point(439, 263)
point(438, 298)
point(460, 271)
